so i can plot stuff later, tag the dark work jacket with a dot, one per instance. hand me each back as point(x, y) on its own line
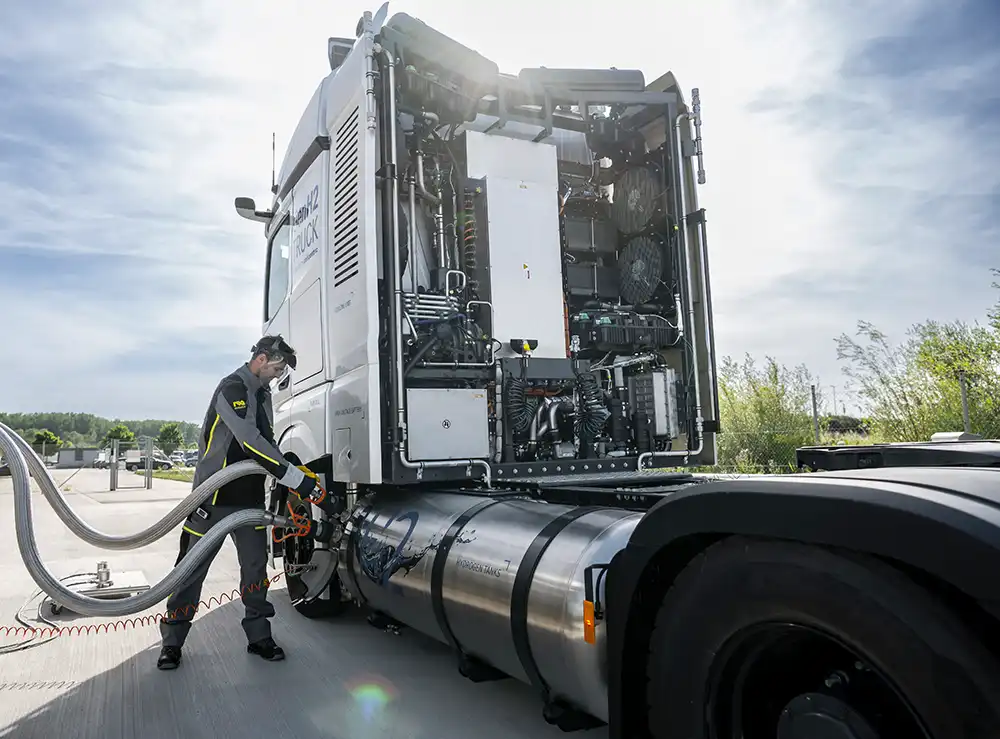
point(238, 425)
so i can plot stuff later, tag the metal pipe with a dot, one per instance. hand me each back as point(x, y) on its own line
point(424, 192)
point(459, 253)
point(444, 254)
point(488, 304)
point(396, 342)
point(698, 420)
point(706, 305)
point(413, 329)
point(431, 298)
point(461, 283)
point(455, 365)
point(370, 102)
point(88, 605)
point(553, 410)
point(442, 247)
point(413, 236)
point(537, 420)
point(397, 293)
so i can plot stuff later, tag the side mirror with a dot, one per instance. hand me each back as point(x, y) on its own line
point(337, 50)
point(247, 208)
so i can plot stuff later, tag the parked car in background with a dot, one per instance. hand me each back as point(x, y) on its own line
point(159, 462)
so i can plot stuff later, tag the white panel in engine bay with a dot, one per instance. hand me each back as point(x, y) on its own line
point(522, 185)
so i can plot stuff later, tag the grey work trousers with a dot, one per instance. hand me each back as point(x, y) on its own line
point(251, 549)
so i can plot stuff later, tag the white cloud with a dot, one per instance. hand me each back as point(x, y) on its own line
point(799, 248)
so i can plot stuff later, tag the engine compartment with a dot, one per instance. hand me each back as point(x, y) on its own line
point(547, 296)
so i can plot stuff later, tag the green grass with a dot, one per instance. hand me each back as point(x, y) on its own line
point(180, 475)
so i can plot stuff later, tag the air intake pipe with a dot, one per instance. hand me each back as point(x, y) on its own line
point(12, 447)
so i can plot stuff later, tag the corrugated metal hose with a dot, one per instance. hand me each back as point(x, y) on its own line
point(24, 463)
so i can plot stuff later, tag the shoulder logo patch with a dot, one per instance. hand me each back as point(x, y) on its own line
point(239, 404)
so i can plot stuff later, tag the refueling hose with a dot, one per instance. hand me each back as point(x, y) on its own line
point(147, 536)
point(11, 446)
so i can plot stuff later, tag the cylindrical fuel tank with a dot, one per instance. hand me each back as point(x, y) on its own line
point(448, 565)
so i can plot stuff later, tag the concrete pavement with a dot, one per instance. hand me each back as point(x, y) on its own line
point(342, 678)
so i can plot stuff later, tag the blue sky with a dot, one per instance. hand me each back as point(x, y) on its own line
point(853, 158)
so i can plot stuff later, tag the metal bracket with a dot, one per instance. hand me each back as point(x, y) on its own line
point(592, 587)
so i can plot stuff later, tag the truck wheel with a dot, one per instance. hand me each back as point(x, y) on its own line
point(762, 639)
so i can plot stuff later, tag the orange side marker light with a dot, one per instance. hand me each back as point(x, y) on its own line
point(589, 623)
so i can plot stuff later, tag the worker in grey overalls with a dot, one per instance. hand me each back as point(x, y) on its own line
point(237, 426)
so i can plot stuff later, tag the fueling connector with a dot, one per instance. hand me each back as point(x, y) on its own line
point(323, 531)
point(322, 500)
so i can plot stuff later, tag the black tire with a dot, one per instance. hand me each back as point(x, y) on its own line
point(897, 632)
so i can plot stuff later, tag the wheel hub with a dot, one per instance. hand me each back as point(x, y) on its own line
point(821, 716)
point(308, 569)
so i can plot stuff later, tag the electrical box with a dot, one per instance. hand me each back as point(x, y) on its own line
point(447, 423)
point(525, 260)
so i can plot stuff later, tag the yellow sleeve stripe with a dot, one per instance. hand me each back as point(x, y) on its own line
point(215, 497)
point(259, 454)
point(211, 434)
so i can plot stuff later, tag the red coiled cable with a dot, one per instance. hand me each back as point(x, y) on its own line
point(135, 622)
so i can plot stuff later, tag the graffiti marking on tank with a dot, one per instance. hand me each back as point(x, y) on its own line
point(379, 560)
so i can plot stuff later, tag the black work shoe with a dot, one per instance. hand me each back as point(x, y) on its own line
point(170, 658)
point(267, 649)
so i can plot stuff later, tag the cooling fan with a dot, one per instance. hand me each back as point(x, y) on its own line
point(641, 266)
point(636, 199)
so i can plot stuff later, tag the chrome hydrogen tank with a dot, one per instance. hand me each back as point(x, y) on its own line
point(502, 578)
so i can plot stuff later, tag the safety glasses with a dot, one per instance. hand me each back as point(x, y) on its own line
point(278, 350)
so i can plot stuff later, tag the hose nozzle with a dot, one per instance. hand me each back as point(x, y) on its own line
point(283, 522)
point(322, 531)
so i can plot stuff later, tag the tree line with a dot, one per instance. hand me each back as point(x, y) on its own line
point(910, 390)
point(53, 431)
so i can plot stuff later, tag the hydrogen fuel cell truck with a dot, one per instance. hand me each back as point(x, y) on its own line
point(498, 289)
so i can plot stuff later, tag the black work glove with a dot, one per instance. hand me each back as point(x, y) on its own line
point(306, 487)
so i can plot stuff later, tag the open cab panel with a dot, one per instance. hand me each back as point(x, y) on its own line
point(545, 293)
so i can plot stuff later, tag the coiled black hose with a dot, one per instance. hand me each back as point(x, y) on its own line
point(593, 412)
point(469, 247)
point(519, 411)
